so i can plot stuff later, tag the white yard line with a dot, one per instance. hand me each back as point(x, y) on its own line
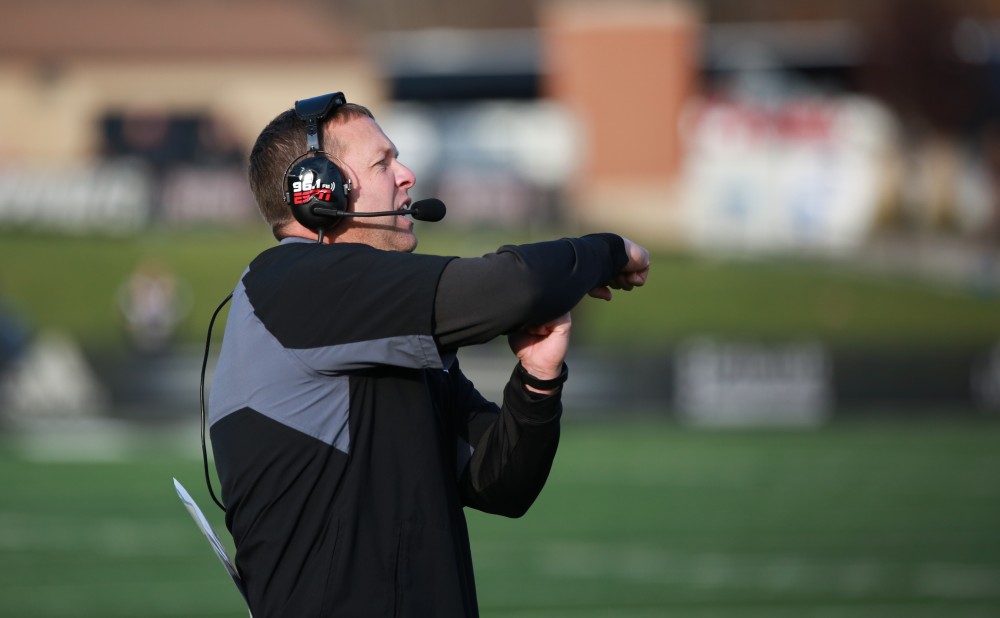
point(770, 573)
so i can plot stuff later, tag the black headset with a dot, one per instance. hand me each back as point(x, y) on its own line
point(315, 188)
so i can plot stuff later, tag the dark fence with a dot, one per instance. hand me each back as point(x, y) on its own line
point(705, 382)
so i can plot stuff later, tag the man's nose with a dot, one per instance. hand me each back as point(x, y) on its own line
point(405, 177)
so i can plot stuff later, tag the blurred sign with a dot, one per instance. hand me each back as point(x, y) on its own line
point(742, 384)
point(192, 194)
point(985, 380)
point(51, 381)
point(121, 197)
point(111, 198)
point(784, 175)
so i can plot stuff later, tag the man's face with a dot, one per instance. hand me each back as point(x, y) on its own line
point(380, 182)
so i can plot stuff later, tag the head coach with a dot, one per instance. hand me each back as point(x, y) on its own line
point(347, 439)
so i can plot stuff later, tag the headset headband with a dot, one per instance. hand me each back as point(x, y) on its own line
point(312, 110)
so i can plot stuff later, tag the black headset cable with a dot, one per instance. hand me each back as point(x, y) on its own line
point(204, 365)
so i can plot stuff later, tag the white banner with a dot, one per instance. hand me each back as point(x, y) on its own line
point(801, 175)
point(741, 384)
point(100, 197)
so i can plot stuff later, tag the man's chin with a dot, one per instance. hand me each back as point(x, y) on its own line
point(401, 240)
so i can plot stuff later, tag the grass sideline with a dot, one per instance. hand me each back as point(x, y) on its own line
point(70, 284)
point(637, 520)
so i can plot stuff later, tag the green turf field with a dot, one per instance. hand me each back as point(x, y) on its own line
point(638, 520)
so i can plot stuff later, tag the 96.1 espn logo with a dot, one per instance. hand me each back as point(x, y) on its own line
point(308, 186)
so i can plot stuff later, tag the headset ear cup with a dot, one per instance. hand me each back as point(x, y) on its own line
point(316, 182)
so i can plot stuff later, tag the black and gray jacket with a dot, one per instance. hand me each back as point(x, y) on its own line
point(346, 438)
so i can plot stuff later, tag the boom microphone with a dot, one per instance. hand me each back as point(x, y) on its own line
point(431, 209)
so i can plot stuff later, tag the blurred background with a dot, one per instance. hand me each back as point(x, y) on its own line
point(797, 416)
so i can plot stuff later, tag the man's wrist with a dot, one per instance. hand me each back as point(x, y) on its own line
point(541, 384)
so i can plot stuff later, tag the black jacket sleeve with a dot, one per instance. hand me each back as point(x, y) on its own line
point(480, 298)
point(512, 446)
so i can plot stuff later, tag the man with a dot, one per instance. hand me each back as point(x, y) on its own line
point(346, 437)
